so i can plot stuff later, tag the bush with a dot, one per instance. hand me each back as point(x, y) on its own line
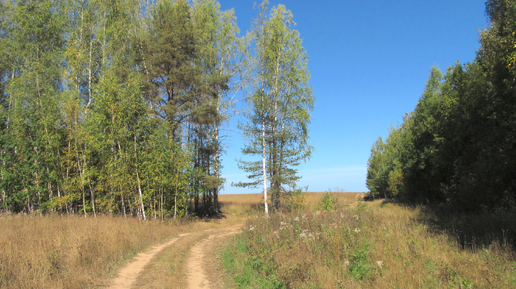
point(328, 202)
point(295, 200)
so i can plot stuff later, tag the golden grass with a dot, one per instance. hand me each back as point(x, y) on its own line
point(74, 252)
point(363, 245)
point(249, 204)
point(343, 199)
point(359, 245)
point(71, 252)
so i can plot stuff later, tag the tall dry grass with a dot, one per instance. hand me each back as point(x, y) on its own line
point(71, 252)
point(251, 204)
point(365, 245)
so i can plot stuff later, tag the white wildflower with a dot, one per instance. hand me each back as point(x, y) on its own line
point(380, 263)
point(357, 230)
point(346, 263)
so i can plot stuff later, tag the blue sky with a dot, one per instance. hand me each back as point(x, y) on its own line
point(369, 61)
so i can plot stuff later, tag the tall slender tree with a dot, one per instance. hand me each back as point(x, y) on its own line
point(281, 100)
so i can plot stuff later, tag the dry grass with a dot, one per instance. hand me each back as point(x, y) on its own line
point(365, 245)
point(250, 204)
point(241, 205)
point(359, 245)
point(343, 198)
point(71, 252)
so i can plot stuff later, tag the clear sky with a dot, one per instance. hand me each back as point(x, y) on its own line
point(369, 61)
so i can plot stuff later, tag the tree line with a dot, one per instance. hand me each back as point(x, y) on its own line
point(458, 146)
point(117, 106)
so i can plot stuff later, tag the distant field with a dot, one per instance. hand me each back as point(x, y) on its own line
point(312, 198)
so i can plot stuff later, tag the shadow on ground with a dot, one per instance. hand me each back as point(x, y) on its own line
point(472, 231)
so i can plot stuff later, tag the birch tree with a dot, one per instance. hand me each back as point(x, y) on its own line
point(280, 100)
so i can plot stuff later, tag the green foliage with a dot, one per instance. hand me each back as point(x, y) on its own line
point(328, 202)
point(276, 126)
point(113, 107)
point(250, 271)
point(360, 266)
point(375, 180)
point(295, 199)
point(457, 146)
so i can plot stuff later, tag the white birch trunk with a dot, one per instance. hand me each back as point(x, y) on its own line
point(138, 180)
point(141, 198)
point(264, 170)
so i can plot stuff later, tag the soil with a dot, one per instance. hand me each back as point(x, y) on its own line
point(200, 264)
point(202, 267)
point(128, 274)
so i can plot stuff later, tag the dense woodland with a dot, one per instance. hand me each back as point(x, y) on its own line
point(458, 147)
point(117, 106)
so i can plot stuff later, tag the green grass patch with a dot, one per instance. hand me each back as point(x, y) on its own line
point(248, 271)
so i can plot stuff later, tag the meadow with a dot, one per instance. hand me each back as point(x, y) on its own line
point(70, 251)
point(339, 242)
point(330, 240)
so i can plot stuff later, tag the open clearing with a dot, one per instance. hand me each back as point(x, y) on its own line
point(356, 244)
point(201, 269)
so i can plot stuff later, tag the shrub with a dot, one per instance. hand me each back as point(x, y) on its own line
point(328, 202)
point(295, 200)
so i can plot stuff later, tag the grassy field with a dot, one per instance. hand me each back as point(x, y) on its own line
point(333, 240)
point(72, 252)
point(371, 245)
point(247, 204)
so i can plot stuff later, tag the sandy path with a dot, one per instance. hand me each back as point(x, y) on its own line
point(196, 264)
point(128, 274)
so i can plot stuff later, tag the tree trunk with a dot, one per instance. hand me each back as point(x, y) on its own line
point(264, 170)
point(138, 180)
point(93, 200)
point(123, 204)
point(175, 203)
point(140, 192)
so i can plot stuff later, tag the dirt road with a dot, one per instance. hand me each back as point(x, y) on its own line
point(199, 261)
point(199, 268)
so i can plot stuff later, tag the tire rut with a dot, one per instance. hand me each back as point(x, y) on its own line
point(128, 274)
point(196, 267)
